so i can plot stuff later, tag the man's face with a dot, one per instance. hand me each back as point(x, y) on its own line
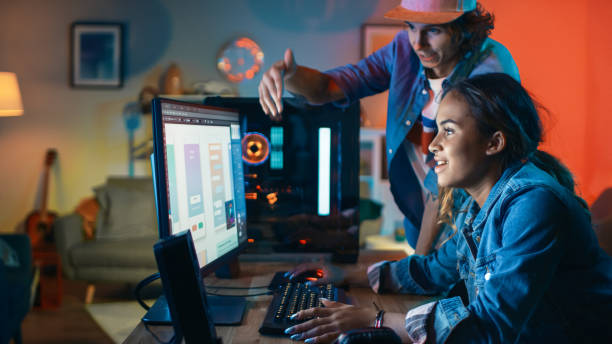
point(435, 47)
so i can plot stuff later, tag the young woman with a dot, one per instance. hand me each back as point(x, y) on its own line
point(523, 244)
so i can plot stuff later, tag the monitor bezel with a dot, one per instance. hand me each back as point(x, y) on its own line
point(160, 173)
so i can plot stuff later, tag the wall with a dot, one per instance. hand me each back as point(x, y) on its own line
point(562, 49)
point(87, 126)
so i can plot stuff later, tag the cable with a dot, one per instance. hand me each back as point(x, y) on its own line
point(156, 276)
point(247, 295)
point(143, 284)
point(224, 287)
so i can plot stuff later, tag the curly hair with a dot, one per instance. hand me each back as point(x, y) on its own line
point(471, 29)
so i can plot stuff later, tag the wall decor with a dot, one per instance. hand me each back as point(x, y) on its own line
point(374, 37)
point(96, 55)
point(240, 60)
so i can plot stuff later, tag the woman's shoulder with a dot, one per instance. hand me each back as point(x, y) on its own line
point(533, 183)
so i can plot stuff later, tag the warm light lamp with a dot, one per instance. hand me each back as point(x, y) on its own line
point(10, 98)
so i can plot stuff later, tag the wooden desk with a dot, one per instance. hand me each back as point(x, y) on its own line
point(259, 274)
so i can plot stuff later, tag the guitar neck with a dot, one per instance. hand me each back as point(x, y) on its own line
point(50, 157)
point(45, 192)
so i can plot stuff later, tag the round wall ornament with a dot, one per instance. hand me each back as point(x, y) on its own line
point(240, 60)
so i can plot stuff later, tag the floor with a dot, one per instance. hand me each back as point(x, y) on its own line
point(71, 323)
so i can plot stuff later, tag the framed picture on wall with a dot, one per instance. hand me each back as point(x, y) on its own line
point(376, 36)
point(96, 55)
point(371, 155)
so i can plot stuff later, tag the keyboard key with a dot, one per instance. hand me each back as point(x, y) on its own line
point(292, 297)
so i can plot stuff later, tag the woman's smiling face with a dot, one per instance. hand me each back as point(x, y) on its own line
point(460, 150)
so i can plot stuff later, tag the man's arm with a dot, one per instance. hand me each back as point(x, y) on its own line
point(429, 228)
point(316, 87)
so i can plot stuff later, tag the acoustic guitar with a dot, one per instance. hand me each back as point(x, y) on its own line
point(38, 222)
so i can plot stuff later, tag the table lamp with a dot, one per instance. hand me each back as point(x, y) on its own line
point(10, 98)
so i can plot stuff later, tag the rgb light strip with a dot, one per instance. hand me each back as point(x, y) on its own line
point(323, 202)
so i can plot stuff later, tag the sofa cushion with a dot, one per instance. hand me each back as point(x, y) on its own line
point(127, 209)
point(135, 252)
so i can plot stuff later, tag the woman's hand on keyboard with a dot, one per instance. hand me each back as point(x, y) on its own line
point(327, 323)
point(317, 273)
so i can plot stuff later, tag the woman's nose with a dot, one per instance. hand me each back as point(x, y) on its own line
point(433, 146)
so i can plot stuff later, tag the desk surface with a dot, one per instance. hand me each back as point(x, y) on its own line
point(260, 273)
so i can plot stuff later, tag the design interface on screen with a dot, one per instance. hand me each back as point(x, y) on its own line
point(205, 182)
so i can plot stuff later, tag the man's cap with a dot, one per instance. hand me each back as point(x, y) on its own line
point(430, 11)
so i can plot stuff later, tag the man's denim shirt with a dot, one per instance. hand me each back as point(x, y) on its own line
point(531, 264)
point(395, 67)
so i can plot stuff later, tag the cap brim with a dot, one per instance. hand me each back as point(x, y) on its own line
point(400, 13)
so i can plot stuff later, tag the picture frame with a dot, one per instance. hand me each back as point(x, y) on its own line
point(376, 36)
point(96, 55)
point(372, 158)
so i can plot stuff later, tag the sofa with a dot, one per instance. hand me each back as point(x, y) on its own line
point(119, 247)
point(16, 273)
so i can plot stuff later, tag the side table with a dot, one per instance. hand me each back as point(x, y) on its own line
point(48, 262)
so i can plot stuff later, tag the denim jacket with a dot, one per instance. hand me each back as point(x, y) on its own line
point(396, 67)
point(530, 261)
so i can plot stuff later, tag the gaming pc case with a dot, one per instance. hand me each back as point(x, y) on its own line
point(301, 177)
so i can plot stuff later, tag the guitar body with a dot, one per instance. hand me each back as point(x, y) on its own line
point(39, 229)
point(39, 222)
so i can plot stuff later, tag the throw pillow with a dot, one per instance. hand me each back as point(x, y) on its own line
point(88, 210)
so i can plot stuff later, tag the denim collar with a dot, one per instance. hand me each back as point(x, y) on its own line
point(482, 214)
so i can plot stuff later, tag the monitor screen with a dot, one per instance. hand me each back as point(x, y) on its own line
point(199, 178)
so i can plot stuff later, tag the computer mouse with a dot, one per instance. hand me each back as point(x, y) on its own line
point(308, 276)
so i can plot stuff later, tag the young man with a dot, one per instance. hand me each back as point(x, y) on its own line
point(445, 41)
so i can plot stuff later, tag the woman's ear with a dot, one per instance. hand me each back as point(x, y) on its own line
point(497, 143)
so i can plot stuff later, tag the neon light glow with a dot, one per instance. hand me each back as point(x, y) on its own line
point(323, 201)
point(276, 148)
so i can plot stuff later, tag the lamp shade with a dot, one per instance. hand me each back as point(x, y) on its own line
point(10, 98)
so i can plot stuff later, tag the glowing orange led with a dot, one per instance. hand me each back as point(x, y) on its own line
point(272, 198)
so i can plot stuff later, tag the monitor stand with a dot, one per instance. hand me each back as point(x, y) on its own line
point(225, 311)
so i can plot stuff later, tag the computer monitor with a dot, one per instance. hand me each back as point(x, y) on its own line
point(199, 180)
point(301, 178)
